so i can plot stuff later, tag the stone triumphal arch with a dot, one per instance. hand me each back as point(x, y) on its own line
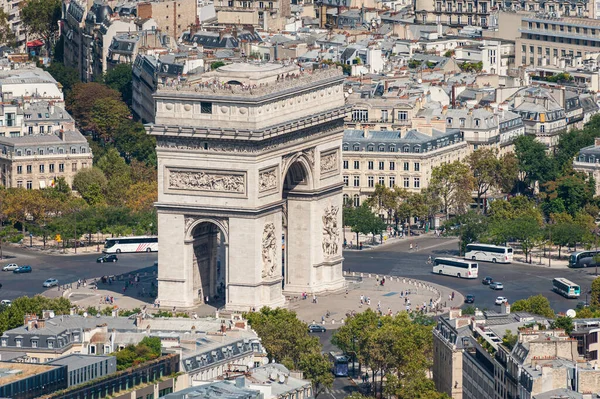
point(249, 204)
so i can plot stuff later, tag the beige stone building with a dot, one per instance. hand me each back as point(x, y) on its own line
point(588, 162)
point(402, 158)
point(172, 17)
point(455, 13)
point(35, 161)
point(270, 15)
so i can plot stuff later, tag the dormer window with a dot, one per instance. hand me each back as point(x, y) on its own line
point(381, 148)
point(345, 147)
point(356, 147)
point(406, 149)
point(19, 342)
point(50, 344)
point(34, 343)
point(4, 342)
point(370, 148)
point(477, 122)
point(449, 121)
point(462, 122)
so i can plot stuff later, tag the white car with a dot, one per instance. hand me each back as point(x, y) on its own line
point(10, 267)
point(51, 282)
point(5, 302)
point(500, 300)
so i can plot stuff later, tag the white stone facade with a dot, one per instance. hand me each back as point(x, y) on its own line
point(241, 166)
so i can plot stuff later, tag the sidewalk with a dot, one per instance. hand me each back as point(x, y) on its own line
point(389, 297)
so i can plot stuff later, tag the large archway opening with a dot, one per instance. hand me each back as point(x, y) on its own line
point(294, 217)
point(210, 264)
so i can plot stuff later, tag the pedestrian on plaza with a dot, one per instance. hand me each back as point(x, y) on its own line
point(452, 295)
point(411, 246)
point(449, 297)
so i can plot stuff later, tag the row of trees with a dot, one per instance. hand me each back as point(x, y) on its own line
point(399, 348)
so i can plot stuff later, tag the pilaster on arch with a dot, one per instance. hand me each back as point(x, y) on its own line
point(191, 222)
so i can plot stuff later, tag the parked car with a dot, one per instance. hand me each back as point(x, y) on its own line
point(469, 298)
point(23, 269)
point(500, 300)
point(497, 286)
point(10, 267)
point(51, 282)
point(581, 305)
point(316, 328)
point(5, 302)
point(487, 280)
point(107, 258)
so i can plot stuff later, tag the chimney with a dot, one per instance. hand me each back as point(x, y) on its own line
point(366, 133)
point(597, 142)
point(41, 323)
point(505, 308)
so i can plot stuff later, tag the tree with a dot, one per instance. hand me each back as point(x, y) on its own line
point(469, 228)
point(120, 78)
point(6, 33)
point(108, 115)
point(452, 184)
point(564, 323)
point(537, 304)
point(91, 184)
point(573, 189)
point(534, 163)
point(12, 316)
point(216, 64)
point(382, 201)
point(142, 196)
point(595, 295)
point(287, 341)
point(82, 98)
point(66, 76)
point(486, 168)
point(410, 205)
point(363, 221)
point(510, 340)
point(7, 234)
point(41, 17)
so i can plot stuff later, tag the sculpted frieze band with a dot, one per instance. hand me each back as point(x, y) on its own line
point(199, 180)
point(267, 180)
point(329, 161)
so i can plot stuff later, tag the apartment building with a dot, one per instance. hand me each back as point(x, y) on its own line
point(547, 40)
point(397, 158)
point(12, 9)
point(455, 13)
point(28, 84)
point(588, 162)
point(269, 15)
point(172, 17)
point(497, 56)
point(566, 8)
point(380, 110)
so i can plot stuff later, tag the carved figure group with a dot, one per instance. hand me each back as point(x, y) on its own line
point(205, 181)
point(331, 231)
point(269, 247)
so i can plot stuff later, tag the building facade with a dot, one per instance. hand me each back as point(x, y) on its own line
point(455, 13)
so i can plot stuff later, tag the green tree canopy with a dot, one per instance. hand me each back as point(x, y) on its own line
point(533, 160)
point(81, 100)
point(120, 78)
point(66, 76)
point(41, 17)
point(452, 183)
point(537, 304)
point(91, 184)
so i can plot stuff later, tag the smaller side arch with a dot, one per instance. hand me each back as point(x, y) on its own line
point(192, 222)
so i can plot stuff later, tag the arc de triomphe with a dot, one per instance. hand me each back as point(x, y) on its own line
point(250, 194)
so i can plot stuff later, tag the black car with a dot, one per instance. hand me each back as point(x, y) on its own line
point(469, 298)
point(107, 258)
point(316, 328)
point(487, 280)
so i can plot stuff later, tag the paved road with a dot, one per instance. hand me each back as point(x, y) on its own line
point(66, 269)
point(520, 281)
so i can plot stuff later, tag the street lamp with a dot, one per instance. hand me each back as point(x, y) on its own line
point(98, 241)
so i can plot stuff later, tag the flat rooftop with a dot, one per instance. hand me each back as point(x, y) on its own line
point(10, 372)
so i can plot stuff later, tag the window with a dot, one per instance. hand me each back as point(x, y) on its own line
point(381, 165)
point(356, 200)
point(462, 122)
point(50, 344)
point(384, 115)
point(381, 181)
point(29, 168)
point(345, 148)
point(34, 343)
point(370, 148)
point(360, 115)
point(73, 151)
point(417, 182)
point(370, 165)
point(19, 342)
point(30, 130)
point(356, 164)
point(417, 167)
point(406, 182)
point(74, 167)
point(406, 149)
point(19, 169)
point(61, 167)
point(346, 181)
point(51, 168)
point(41, 152)
point(356, 147)
point(402, 116)
point(205, 108)
point(477, 122)
point(371, 181)
point(41, 129)
point(29, 185)
point(406, 167)
point(381, 148)
point(4, 341)
point(392, 181)
point(20, 184)
point(42, 167)
point(10, 119)
point(345, 164)
point(392, 165)
point(356, 181)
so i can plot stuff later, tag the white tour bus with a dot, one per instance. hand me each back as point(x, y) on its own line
point(489, 253)
point(455, 267)
point(566, 288)
point(131, 244)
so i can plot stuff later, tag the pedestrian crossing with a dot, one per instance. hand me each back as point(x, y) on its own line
point(341, 392)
